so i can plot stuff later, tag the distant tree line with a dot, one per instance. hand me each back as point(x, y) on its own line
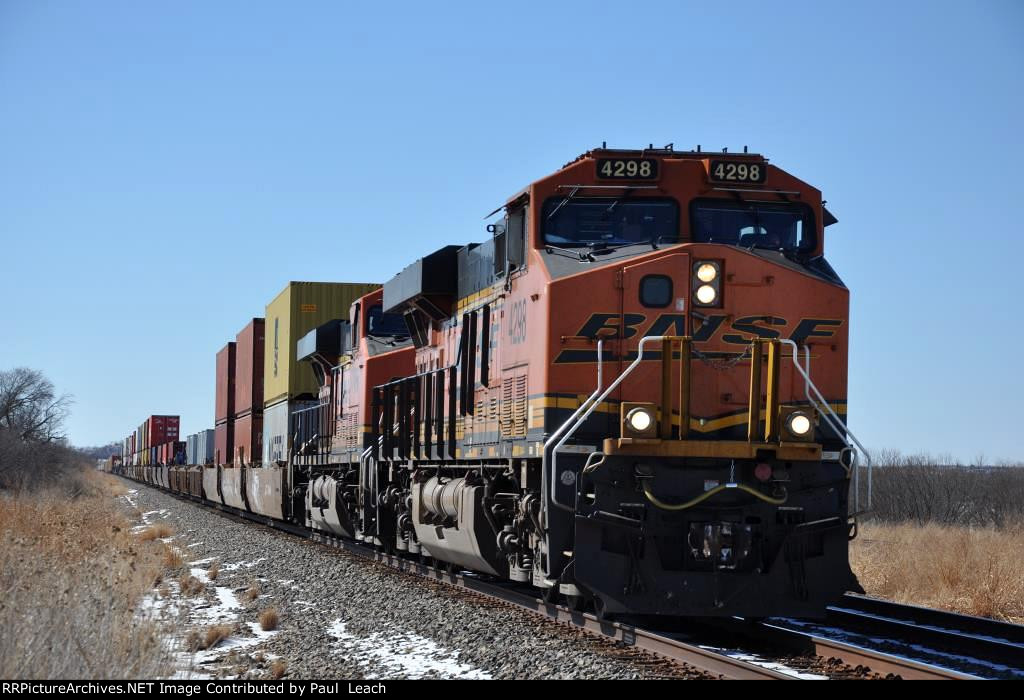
point(925, 489)
point(33, 445)
point(101, 452)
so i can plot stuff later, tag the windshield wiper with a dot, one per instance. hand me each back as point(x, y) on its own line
point(564, 201)
point(566, 252)
point(653, 241)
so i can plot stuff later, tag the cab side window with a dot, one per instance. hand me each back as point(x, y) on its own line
point(515, 237)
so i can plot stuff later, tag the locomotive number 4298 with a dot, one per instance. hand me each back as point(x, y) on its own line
point(737, 172)
point(627, 168)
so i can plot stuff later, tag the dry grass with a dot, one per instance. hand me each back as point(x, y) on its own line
point(173, 558)
point(71, 576)
point(190, 585)
point(278, 668)
point(156, 532)
point(976, 571)
point(213, 571)
point(215, 634)
point(269, 619)
point(251, 593)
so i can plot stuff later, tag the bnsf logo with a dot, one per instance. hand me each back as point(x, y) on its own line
point(740, 332)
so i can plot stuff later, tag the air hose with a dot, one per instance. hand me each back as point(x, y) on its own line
point(709, 493)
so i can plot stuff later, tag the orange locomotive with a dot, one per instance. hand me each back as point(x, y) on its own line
point(632, 395)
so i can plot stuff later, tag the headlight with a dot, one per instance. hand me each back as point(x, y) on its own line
point(706, 282)
point(640, 419)
point(707, 272)
point(706, 294)
point(799, 424)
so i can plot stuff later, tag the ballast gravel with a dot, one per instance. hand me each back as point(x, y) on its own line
point(342, 617)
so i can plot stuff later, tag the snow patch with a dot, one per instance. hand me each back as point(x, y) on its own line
point(240, 564)
point(764, 663)
point(403, 654)
point(207, 657)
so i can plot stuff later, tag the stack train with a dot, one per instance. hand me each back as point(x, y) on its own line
point(631, 396)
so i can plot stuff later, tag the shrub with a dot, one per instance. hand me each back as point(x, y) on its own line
point(269, 619)
point(190, 585)
point(215, 634)
point(156, 532)
point(923, 489)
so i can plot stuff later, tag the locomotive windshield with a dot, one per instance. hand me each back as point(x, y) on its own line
point(782, 226)
point(609, 220)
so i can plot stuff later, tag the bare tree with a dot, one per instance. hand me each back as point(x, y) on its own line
point(922, 488)
point(30, 409)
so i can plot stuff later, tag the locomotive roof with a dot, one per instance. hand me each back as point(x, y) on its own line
point(665, 152)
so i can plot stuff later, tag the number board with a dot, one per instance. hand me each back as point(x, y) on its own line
point(728, 171)
point(627, 168)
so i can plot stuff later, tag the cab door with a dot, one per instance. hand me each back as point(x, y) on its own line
point(655, 302)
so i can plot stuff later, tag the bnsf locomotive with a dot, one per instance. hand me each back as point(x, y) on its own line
point(632, 395)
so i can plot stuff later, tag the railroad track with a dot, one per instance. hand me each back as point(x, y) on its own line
point(677, 646)
point(974, 646)
point(992, 641)
point(978, 637)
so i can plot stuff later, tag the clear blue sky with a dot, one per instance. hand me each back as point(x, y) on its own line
point(165, 167)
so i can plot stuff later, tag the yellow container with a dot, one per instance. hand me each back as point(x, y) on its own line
point(298, 309)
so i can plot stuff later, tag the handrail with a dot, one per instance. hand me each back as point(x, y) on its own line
point(833, 420)
point(555, 436)
point(570, 428)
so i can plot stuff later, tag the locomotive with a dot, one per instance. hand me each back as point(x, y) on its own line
point(631, 395)
point(611, 398)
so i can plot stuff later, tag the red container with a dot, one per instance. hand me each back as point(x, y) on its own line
point(248, 439)
point(162, 429)
point(249, 369)
point(225, 391)
point(224, 442)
